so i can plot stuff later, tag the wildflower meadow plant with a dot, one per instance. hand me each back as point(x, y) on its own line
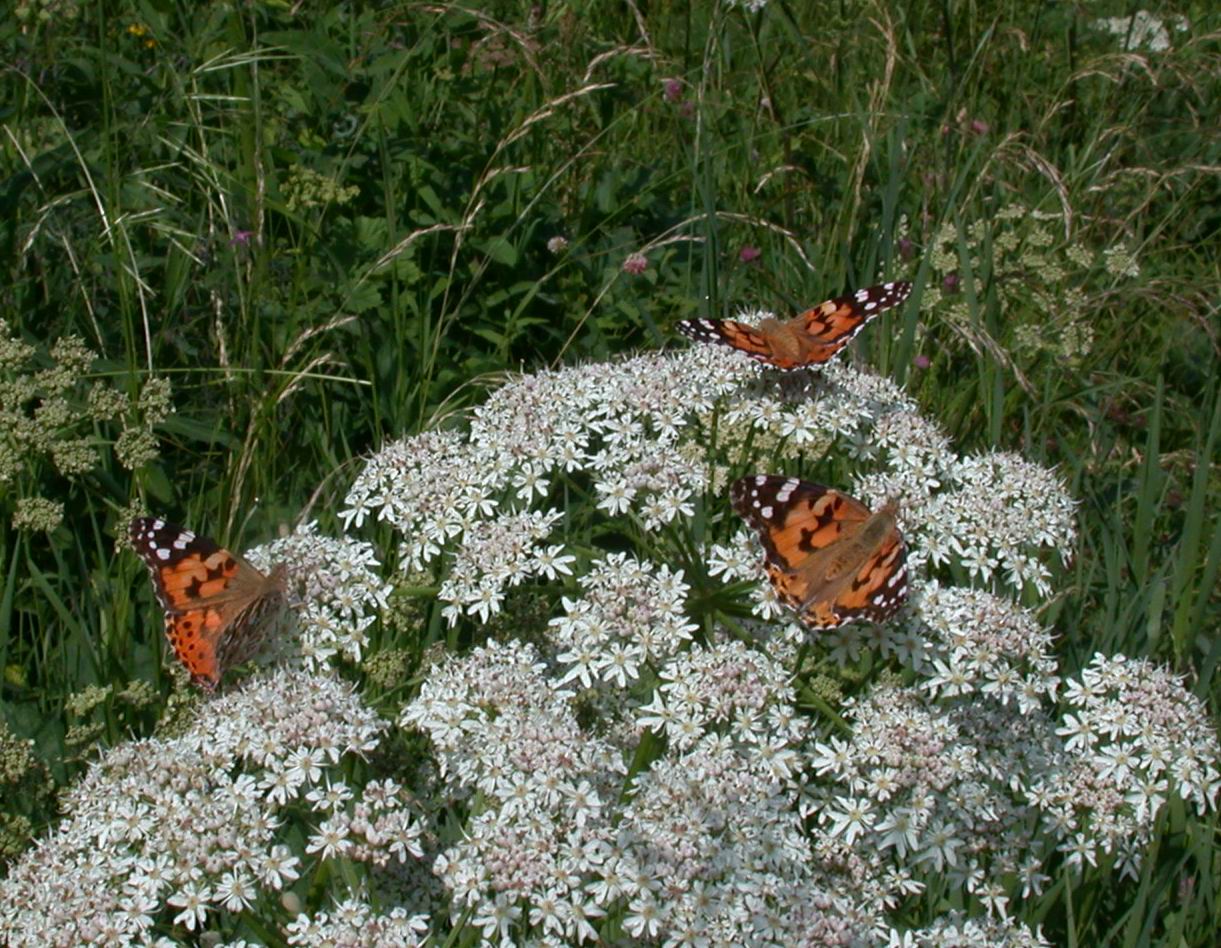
point(1040, 273)
point(641, 764)
point(52, 408)
point(737, 806)
point(178, 831)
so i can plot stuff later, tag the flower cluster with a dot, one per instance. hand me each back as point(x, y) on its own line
point(183, 830)
point(1134, 736)
point(923, 791)
point(25, 789)
point(951, 781)
point(379, 827)
point(996, 514)
point(805, 414)
point(709, 842)
point(354, 924)
point(950, 790)
point(750, 6)
point(968, 641)
point(631, 614)
point(1143, 29)
point(712, 826)
point(497, 553)
point(48, 416)
point(337, 592)
point(484, 500)
point(304, 187)
point(1039, 272)
point(713, 853)
point(634, 776)
point(504, 731)
point(729, 690)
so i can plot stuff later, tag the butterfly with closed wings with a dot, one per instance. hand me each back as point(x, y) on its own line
point(218, 608)
point(812, 338)
point(827, 556)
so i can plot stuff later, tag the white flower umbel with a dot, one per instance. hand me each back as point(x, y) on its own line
point(706, 842)
point(503, 730)
point(636, 776)
point(617, 423)
point(1134, 737)
point(190, 830)
point(631, 614)
point(956, 929)
point(354, 924)
point(955, 782)
point(967, 641)
point(998, 515)
point(921, 792)
point(978, 789)
point(1143, 29)
point(710, 848)
point(618, 426)
point(730, 690)
point(335, 591)
point(958, 782)
point(496, 553)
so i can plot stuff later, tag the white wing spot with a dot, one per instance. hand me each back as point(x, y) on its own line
point(161, 553)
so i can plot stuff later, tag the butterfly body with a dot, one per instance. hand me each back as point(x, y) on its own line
point(827, 556)
point(812, 338)
point(218, 607)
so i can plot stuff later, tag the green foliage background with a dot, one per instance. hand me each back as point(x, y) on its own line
point(328, 225)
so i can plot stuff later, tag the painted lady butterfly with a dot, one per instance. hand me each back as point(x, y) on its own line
point(812, 338)
point(218, 608)
point(826, 555)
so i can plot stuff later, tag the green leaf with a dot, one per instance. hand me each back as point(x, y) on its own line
point(499, 249)
point(362, 298)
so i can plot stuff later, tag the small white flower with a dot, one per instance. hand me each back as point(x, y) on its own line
point(193, 899)
point(852, 818)
point(616, 496)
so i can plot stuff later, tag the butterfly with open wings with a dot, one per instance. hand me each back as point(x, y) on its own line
point(812, 338)
point(218, 608)
point(827, 556)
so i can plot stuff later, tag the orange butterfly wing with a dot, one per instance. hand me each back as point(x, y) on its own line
point(217, 606)
point(758, 342)
point(826, 555)
point(812, 338)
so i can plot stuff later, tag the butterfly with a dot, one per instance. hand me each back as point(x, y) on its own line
point(812, 338)
point(218, 608)
point(826, 555)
